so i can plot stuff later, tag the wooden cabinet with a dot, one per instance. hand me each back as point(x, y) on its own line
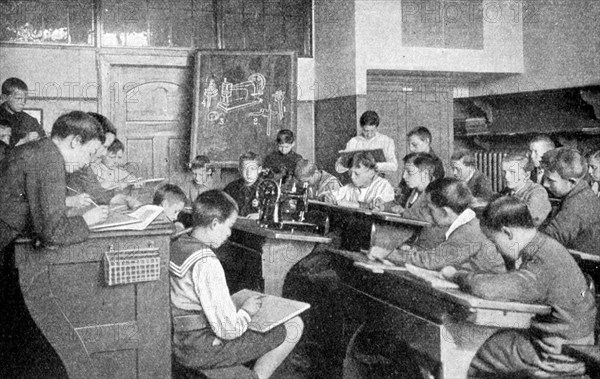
point(100, 331)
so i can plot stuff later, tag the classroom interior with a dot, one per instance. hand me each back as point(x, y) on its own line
point(479, 74)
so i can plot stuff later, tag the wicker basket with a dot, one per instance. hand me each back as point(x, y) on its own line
point(131, 266)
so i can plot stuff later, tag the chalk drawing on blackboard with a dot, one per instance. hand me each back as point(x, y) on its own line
point(211, 91)
point(279, 96)
point(242, 95)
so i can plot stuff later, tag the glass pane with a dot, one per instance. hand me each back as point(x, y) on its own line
point(46, 22)
point(204, 25)
point(170, 22)
point(234, 33)
point(124, 23)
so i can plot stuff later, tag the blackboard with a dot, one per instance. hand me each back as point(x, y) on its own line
point(241, 100)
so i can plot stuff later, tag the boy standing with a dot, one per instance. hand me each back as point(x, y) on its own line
point(284, 157)
point(24, 127)
point(370, 139)
point(577, 223)
point(544, 273)
point(243, 190)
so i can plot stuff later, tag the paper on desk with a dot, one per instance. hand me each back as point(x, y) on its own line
point(379, 268)
point(146, 214)
point(434, 278)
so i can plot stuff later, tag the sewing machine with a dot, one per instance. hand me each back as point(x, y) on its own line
point(285, 206)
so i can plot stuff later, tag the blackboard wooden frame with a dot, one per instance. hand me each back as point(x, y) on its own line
point(241, 100)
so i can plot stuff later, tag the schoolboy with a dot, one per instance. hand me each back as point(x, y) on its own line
point(32, 204)
point(243, 190)
point(24, 127)
point(516, 170)
point(544, 273)
point(576, 225)
point(538, 146)
point(32, 183)
point(419, 141)
point(208, 331)
point(283, 157)
point(417, 174)
point(84, 179)
point(171, 198)
point(465, 247)
point(320, 182)
point(110, 174)
point(202, 177)
point(464, 167)
point(594, 171)
point(367, 190)
point(370, 139)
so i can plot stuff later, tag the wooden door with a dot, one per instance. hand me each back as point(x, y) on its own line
point(149, 99)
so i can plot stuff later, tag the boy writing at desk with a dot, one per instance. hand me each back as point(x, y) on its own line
point(465, 246)
point(208, 331)
point(545, 273)
point(367, 190)
point(32, 203)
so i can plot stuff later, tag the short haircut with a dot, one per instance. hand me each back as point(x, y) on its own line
point(364, 158)
point(79, 124)
point(305, 169)
point(12, 84)
point(593, 155)
point(369, 118)
point(169, 193)
point(523, 160)
point(249, 156)
point(466, 156)
point(285, 136)
point(116, 146)
point(210, 205)
point(200, 161)
point(567, 162)
point(451, 193)
point(105, 123)
point(422, 132)
point(423, 161)
point(506, 211)
point(543, 138)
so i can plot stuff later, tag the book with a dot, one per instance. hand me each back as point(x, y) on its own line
point(274, 311)
point(115, 219)
point(135, 181)
point(144, 216)
point(434, 278)
point(346, 155)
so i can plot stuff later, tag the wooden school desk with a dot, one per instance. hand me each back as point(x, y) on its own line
point(446, 327)
point(278, 250)
point(100, 331)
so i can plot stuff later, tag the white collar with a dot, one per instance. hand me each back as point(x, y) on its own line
point(462, 219)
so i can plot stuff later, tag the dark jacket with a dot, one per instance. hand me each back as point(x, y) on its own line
point(480, 186)
point(547, 275)
point(20, 124)
point(244, 195)
point(86, 181)
point(576, 225)
point(276, 161)
point(32, 196)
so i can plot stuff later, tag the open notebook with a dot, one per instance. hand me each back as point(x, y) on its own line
point(274, 311)
point(434, 278)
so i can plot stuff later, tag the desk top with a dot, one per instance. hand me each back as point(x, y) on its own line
point(250, 226)
point(403, 278)
point(383, 216)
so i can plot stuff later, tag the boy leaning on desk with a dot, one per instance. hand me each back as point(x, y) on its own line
point(545, 273)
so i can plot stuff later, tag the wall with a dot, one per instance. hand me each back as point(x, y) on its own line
point(62, 79)
point(561, 43)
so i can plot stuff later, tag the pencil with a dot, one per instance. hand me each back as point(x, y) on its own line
point(77, 192)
